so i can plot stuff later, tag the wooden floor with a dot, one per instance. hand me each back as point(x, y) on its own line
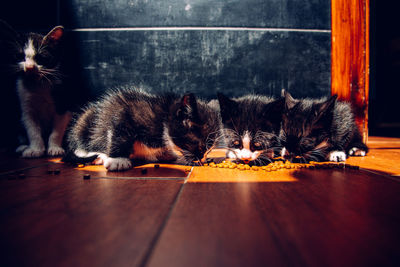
point(182, 216)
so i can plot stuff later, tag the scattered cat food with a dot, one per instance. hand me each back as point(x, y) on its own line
point(156, 166)
point(277, 165)
point(143, 170)
point(86, 176)
point(81, 165)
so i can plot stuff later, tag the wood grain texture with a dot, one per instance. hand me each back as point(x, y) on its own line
point(350, 56)
point(63, 220)
point(326, 218)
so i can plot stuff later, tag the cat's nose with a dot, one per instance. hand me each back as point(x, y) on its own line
point(29, 66)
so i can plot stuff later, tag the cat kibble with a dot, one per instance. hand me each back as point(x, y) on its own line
point(278, 165)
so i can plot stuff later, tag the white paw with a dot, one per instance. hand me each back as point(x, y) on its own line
point(80, 153)
point(21, 148)
point(232, 155)
point(355, 151)
point(54, 151)
point(117, 164)
point(337, 156)
point(33, 152)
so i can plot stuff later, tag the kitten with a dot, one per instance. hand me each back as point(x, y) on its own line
point(132, 124)
point(319, 130)
point(250, 124)
point(38, 84)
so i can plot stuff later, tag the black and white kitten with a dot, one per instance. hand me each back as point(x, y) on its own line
point(130, 124)
point(251, 124)
point(319, 130)
point(37, 64)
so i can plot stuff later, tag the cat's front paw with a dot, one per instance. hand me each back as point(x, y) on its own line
point(21, 148)
point(55, 151)
point(33, 152)
point(355, 151)
point(231, 155)
point(337, 156)
point(117, 164)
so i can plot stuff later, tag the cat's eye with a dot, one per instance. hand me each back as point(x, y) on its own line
point(257, 145)
point(236, 144)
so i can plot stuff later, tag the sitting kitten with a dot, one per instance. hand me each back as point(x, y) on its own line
point(319, 130)
point(250, 124)
point(131, 124)
point(37, 63)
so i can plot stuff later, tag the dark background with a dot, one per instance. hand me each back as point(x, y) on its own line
point(279, 44)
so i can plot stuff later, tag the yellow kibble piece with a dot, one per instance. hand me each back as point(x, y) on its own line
point(232, 167)
point(81, 165)
point(268, 169)
point(246, 167)
point(274, 168)
point(205, 164)
point(254, 168)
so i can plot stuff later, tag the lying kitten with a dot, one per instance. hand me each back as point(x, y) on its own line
point(250, 125)
point(131, 124)
point(37, 63)
point(319, 130)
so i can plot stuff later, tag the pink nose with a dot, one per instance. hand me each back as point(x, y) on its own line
point(29, 66)
point(246, 160)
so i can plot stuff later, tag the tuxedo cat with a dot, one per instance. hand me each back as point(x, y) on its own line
point(319, 130)
point(130, 124)
point(250, 125)
point(39, 83)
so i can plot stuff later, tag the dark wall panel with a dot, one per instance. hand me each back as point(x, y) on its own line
point(204, 62)
point(309, 14)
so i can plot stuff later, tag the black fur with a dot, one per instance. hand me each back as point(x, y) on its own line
point(313, 128)
point(258, 116)
point(112, 125)
point(40, 87)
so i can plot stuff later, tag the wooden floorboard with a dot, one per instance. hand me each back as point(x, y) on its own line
point(325, 218)
point(64, 220)
point(182, 216)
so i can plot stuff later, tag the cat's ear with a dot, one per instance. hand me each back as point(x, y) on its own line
point(328, 105)
point(274, 110)
point(227, 106)
point(188, 108)
point(324, 112)
point(276, 107)
point(54, 36)
point(290, 102)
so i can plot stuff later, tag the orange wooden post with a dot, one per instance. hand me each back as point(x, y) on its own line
point(350, 56)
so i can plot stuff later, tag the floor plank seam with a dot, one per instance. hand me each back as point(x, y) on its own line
point(153, 243)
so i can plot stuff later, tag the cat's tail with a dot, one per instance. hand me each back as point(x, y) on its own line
point(71, 157)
